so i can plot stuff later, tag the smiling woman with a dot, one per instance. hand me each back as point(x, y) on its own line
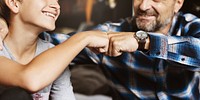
point(43, 15)
point(28, 62)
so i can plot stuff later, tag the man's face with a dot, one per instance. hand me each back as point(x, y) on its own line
point(154, 15)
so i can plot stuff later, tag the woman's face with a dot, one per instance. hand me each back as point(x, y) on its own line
point(40, 13)
point(3, 28)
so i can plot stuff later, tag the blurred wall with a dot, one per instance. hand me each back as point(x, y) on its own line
point(73, 12)
point(191, 6)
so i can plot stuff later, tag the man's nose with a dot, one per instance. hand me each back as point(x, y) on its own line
point(145, 5)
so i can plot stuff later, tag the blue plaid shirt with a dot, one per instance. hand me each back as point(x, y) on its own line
point(168, 71)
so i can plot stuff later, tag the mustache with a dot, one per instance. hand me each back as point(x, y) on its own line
point(146, 13)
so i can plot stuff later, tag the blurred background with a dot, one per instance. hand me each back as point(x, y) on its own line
point(76, 15)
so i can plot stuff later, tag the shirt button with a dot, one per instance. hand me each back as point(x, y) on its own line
point(158, 53)
point(182, 59)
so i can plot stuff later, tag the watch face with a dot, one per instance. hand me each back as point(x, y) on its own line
point(141, 34)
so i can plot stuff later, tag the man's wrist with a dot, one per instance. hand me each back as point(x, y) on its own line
point(142, 39)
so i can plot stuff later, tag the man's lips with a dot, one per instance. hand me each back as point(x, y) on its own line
point(149, 17)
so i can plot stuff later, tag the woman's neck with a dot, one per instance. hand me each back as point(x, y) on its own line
point(21, 44)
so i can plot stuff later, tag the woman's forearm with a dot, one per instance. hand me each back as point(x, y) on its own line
point(47, 66)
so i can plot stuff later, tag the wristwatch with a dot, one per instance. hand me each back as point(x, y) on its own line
point(141, 37)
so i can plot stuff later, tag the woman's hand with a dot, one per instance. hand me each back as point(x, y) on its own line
point(98, 41)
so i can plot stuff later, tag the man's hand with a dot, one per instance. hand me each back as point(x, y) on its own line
point(121, 42)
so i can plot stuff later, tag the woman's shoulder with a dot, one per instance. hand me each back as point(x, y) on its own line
point(2, 53)
point(5, 51)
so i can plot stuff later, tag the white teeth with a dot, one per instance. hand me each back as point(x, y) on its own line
point(49, 14)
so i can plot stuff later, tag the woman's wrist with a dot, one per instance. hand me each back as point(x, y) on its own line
point(85, 37)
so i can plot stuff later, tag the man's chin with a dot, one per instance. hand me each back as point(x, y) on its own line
point(145, 25)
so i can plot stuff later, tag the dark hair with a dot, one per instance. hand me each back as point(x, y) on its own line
point(4, 11)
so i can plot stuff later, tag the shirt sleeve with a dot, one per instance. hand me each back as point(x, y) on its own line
point(62, 88)
point(86, 56)
point(180, 49)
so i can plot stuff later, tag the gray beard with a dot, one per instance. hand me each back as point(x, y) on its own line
point(153, 26)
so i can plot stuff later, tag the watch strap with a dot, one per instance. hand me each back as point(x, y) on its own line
point(141, 44)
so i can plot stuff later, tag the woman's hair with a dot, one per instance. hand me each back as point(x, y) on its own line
point(4, 11)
